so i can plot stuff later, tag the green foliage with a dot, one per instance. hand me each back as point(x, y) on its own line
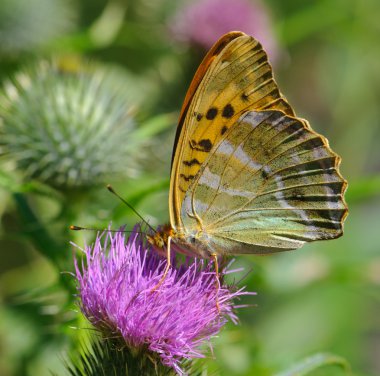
point(364, 189)
point(28, 25)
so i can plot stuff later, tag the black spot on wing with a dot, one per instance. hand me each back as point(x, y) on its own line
point(267, 76)
point(309, 198)
point(320, 164)
point(219, 47)
point(313, 143)
point(223, 130)
point(202, 145)
point(206, 144)
point(244, 97)
point(264, 174)
point(330, 225)
point(257, 47)
point(228, 111)
point(187, 177)
point(198, 116)
point(194, 161)
point(331, 215)
point(211, 113)
point(261, 60)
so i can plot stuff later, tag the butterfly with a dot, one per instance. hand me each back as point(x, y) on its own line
point(247, 175)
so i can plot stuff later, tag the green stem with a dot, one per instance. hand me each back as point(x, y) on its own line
point(314, 362)
point(42, 241)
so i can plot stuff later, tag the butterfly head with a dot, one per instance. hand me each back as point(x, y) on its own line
point(159, 239)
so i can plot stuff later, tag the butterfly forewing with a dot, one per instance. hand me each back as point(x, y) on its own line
point(270, 184)
point(234, 77)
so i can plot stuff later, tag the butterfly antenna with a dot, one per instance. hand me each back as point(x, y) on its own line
point(109, 187)
point(80, 228)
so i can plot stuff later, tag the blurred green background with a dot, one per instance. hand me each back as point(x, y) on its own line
point(77, 73)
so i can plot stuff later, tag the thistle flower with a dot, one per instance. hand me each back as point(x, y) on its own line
point(68, 123)
point(202, 22)
point(170, 324)
point(25, 24)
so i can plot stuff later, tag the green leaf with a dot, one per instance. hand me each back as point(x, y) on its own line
point(316, 17)
point(11, 184)
point(363, 189)
point(310, 364)
point(155, 125)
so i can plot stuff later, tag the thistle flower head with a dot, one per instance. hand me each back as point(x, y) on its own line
point(69, 123)
point(115, 286)
point(202, 22)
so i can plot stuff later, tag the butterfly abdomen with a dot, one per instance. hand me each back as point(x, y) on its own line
point(196, 243)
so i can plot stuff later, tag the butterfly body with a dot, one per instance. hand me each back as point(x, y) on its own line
point(248, 176)
point(193, 243)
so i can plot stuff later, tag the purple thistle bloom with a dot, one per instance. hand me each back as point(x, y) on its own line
point(115, 288)
point(203, 22)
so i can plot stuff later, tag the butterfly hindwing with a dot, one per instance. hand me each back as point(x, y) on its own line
point(234, 77)
point(270, 184)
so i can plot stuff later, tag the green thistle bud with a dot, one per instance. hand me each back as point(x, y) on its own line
point(69, 124)
point(108, 357)
point(25, 25)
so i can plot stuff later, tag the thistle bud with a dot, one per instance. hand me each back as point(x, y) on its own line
point(69, 124)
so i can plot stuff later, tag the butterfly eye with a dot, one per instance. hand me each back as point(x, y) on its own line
point(192, 240)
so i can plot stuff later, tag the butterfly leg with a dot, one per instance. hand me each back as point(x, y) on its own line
point(167, 267)
point(217, 281)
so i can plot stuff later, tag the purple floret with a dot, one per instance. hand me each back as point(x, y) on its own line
point(115, 283)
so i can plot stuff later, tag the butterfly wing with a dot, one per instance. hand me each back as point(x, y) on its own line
point(271, 184)
point(234, 77)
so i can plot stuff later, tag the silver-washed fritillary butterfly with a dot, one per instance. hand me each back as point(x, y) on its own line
point(248, 175)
